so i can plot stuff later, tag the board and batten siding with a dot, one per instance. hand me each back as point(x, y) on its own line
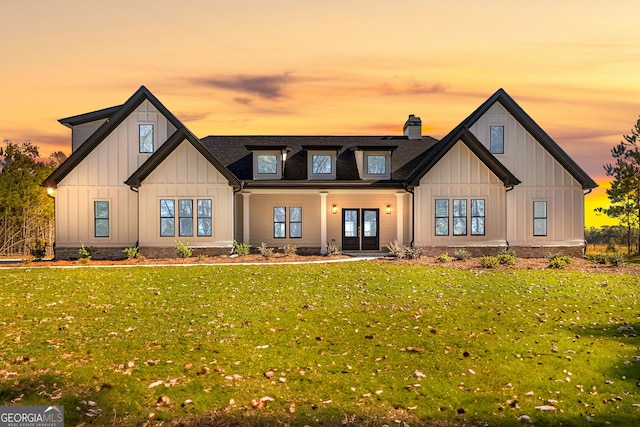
point(186, 174)
point(460, 175)
point(100, 177)
point(543, 179)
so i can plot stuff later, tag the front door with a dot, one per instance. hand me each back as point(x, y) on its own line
point(360, 229)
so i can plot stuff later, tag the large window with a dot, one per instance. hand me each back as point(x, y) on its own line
point(101, 218)
point(280, 222)
point(267, 164)
point(167, 218)
point(185, 212)
point(459, 217)
point(145, 140)
point(496, 145)
point(442, 217)
point(477, 217)
point(204, 217)
point(186, 218)
point(539, 218)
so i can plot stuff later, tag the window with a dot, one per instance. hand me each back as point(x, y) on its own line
point(101, 218)
point(267, 164)
point(459, 217)
point(146, 138)
point(477, 217)
point(539, 218)
point(442, 217)
point(376, 164)
point(295, 222)
point(496, 145)
point(279, 222)
point(185, 216)
point(167, 218)
point(321, 164)
point(204, 217)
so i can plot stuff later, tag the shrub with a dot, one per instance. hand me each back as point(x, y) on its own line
point(240, 249)
point(264, 250)
point(616, 259)
point(412, 252)
point(444, 258)
point(290, 250)
point(201, 258)
point(85, 252)
point(396, 250)
point(489, 262)
point(559, 261)
point(132, 252)
point(333, 250)
point(182, 250)
point(506, 258)
point(461, 254)
point(613, 259)
point(598, 258)
point(38, 249)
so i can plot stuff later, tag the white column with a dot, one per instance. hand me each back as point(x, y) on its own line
point(246, 223)
point(323, 223)
point(400, 218)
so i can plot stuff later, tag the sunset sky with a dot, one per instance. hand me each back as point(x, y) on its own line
point(327, 67)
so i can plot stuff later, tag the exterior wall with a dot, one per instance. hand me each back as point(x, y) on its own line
point(460, 175)
point(80, 133)
point(100, 176)
point(185, 174)
point(262, 202)
point(543, 179)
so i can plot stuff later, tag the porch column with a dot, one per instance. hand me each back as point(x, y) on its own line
point(400, 218)
point(323, 223)
point(246, 222)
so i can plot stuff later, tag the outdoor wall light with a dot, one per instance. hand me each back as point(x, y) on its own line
point(388, 209)
point(334, 209)
point(51, 192)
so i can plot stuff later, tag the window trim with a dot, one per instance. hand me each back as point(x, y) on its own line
point(256, 157)
point(96, 219)
point(321, 176)
point(483, 217)
point(153, 139)
point(491, 127)
point(454, 216)
point(387, 165)
point(544, 218)
point(436, 217)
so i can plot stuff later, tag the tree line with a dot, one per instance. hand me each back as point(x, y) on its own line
point(26, 211)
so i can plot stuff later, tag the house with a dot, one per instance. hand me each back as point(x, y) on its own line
point(138, 176)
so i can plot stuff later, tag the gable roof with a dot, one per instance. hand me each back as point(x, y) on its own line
point(167, 148)
point(462, 133)
point(236, 154)
point(535, 130)
point(115, 116)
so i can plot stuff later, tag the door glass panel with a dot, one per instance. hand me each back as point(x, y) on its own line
point(370, 223)
point(350, 223)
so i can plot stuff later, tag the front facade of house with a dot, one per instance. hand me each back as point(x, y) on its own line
point(138, 176)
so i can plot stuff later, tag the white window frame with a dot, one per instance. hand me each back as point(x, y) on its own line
point(278, 156)
point(387, 165)
point(321, 176)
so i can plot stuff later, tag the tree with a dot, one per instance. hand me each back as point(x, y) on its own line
point(26, 212)
point(624, 193)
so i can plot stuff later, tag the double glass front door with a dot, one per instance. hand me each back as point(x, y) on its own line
point(360, 229)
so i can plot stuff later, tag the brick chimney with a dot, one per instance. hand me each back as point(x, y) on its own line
point(413, 127)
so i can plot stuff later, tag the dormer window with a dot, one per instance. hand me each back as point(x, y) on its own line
point(374, 163)
point(321, 162)
point(268, 161)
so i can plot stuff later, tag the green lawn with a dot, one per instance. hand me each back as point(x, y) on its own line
point(362, 343)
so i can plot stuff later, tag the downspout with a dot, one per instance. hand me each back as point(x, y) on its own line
point(413, 212)
point(506, 222)
point(233, 209)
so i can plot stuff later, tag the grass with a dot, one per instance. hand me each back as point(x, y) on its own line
point(360, 343)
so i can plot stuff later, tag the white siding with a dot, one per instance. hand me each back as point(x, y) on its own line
point(460, 175)
point(543, 178)
point(186, 174)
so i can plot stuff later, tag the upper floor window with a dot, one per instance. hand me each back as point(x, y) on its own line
point(376, 164)
point(101, 218)
point(539, 218)
point(321, 164)
point(145, 138)
point(496, 144)
point(267, 164)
